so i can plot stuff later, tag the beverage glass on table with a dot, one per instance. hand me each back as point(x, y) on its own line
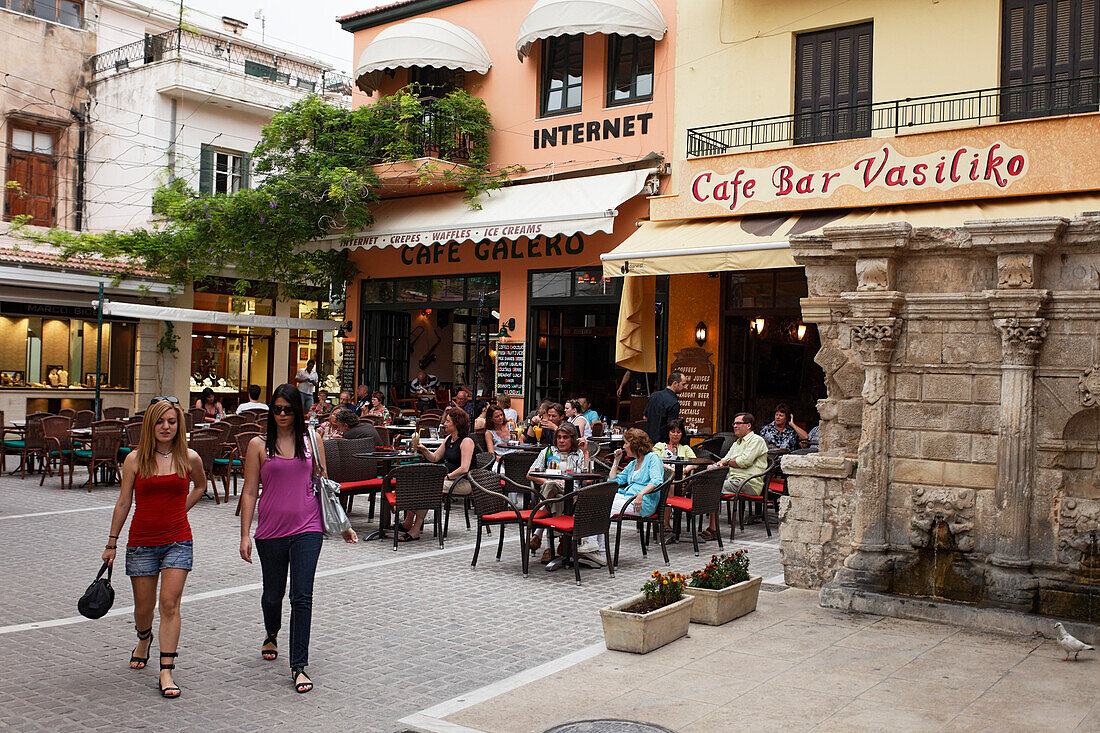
point(538, 433)
point(414, 441)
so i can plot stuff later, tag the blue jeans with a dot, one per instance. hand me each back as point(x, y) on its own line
point(299, 554)
point(307, 401)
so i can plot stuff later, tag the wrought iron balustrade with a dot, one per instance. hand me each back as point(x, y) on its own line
point(997, 104)
point(250, 61)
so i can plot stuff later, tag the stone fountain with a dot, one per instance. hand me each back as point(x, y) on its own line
point(958, 473)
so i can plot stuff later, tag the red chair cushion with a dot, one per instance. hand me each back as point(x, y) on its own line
point(508, 514)
point(777, 485)
point(391, 497)
point(679, 502)
point(372, 483)
point(758, 497)
point(562, 524)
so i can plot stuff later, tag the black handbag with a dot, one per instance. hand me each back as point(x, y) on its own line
point(97, 600)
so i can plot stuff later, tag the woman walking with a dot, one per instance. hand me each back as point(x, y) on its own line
point(156, 477)
point(288, 533)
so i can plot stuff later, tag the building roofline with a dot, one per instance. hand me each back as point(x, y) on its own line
point(400, 10)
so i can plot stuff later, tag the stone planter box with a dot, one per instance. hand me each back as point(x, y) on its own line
point(716, 607)
point(641, 633)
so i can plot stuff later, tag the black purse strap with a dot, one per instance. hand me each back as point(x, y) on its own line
point(106, 567)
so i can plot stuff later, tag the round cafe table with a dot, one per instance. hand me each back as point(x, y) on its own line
point(569, 479)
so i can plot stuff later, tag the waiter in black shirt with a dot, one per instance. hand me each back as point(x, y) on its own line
point(663, 406)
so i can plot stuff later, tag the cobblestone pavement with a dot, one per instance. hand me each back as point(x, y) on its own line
point(393, 633)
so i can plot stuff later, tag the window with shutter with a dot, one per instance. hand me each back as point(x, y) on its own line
point(833, 84)
point(1049, 52)
point(33, 165)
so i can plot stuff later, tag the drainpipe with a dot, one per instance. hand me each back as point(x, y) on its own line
point(81, 116)
point(172, 143)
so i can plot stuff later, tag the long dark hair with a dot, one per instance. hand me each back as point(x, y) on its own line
point(492, 410)
point(291, 394)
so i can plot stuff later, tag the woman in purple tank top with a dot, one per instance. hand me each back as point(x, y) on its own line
point(288, 533)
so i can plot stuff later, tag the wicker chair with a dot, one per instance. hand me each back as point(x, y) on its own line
point(34, 445)
point(404, 407)
point(198, 415)
point(83, 419)
point(355, 475)
point(591, 516)
point(115, 413)
point(417, 486)
point(648, 522)
point(375, 420)
point(494, 508)
point(229, 463)
point(57, 444)
point(744, 498)
point(702, 497)
point(67, 412)
point(107, 438)
point(133, 434)
point(206, 443)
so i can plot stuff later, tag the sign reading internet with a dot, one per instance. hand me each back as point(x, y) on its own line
point(997, 166)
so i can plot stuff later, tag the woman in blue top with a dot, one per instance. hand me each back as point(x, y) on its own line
point(640, 481)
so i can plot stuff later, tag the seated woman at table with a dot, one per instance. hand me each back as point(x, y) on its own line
point(378, 407)
point(640, 480)
point(674, 448)
point(585, 408)
point(569, 453)
point(210, 404)
point(496, 431)
point(457, 454)
point(576, 419)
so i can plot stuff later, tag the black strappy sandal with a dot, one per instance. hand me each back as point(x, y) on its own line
point(165, 690)
point(134, 658)
point(274, 653)
point(304, 686)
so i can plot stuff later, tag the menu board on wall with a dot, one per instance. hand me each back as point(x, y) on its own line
point(697, 398)
point(347, 368)
point(511, 356)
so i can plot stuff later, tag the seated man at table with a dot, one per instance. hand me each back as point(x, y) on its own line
point(555, 416)
point(348, 426)
point(422, 387)
point(569, 453)
point(253, 401)
point(782, 433)
point(747, 456)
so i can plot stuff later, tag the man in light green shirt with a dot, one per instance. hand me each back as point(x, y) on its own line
point(747, 456)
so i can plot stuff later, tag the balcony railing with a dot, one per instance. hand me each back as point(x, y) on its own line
point(247, 59)
point(996, 104)
point(432, 133)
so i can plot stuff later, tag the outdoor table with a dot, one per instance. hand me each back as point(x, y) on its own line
point(432, 442)
point(569, 479)
point(679, 463)
point(387, 458)
point(19, 424)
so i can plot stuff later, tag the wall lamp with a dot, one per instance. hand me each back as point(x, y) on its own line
point(800, 331)
point(345, 329)
point(506, 329)
point(758, 325)
point(701, 333)
point(426, 312)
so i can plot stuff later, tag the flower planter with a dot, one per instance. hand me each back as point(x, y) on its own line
point(641, 633)
point(716, 607)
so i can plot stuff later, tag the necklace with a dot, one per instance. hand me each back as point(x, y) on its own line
point(166, 455)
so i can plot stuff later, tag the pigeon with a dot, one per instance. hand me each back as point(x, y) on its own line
point(1071, 644)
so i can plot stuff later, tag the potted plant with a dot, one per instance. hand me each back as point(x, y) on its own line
point(642, 623)
point(723, 590)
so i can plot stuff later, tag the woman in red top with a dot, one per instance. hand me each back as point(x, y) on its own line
point(158, 474)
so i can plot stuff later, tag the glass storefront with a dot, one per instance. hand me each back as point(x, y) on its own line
point(230, 358)
point(321, 346)
point(54, 347)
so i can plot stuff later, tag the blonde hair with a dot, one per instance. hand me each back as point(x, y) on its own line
point(147, 445)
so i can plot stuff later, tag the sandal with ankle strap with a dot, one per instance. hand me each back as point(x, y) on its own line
point(305, 685)
point(165, 690)
point(134, 658)
point(270, 654)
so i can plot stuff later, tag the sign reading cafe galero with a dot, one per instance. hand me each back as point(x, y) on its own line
point(997, 165)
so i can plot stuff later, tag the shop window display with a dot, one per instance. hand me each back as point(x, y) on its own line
point(60, 353)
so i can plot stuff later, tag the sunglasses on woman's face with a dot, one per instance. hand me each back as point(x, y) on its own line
point(282, 410)
point(166, 398)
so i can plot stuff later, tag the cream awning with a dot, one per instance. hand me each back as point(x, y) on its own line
point(420, 42)
point(762, 242)
point(636, 337)
point(189, 315)
point(549, 18)
point(583, 205)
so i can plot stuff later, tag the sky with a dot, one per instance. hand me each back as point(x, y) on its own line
point(307, 28)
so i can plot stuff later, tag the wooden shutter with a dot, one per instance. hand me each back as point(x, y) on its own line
point(1049, 50)
point(37, 177)
point(206, 170)
point(246, 171)
point(833, 84)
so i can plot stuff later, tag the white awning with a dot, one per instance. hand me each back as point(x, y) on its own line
point(188, 315)
point(549, 18)
point(420, 42)
point(574, 206)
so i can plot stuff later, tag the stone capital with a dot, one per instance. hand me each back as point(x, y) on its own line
point(874, 339)
point(1032, 234)
point(872, 240)
point(1021, 339)
point(817, 465)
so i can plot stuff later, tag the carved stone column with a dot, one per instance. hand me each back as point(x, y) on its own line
point(1015, 314)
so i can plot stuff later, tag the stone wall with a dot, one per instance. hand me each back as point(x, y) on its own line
point(963, 372)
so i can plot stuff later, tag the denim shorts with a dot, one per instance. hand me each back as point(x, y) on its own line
point(151, 560)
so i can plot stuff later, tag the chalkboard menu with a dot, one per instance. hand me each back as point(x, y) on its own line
point(697, 399)
point(510, 367)
point(347, 368)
